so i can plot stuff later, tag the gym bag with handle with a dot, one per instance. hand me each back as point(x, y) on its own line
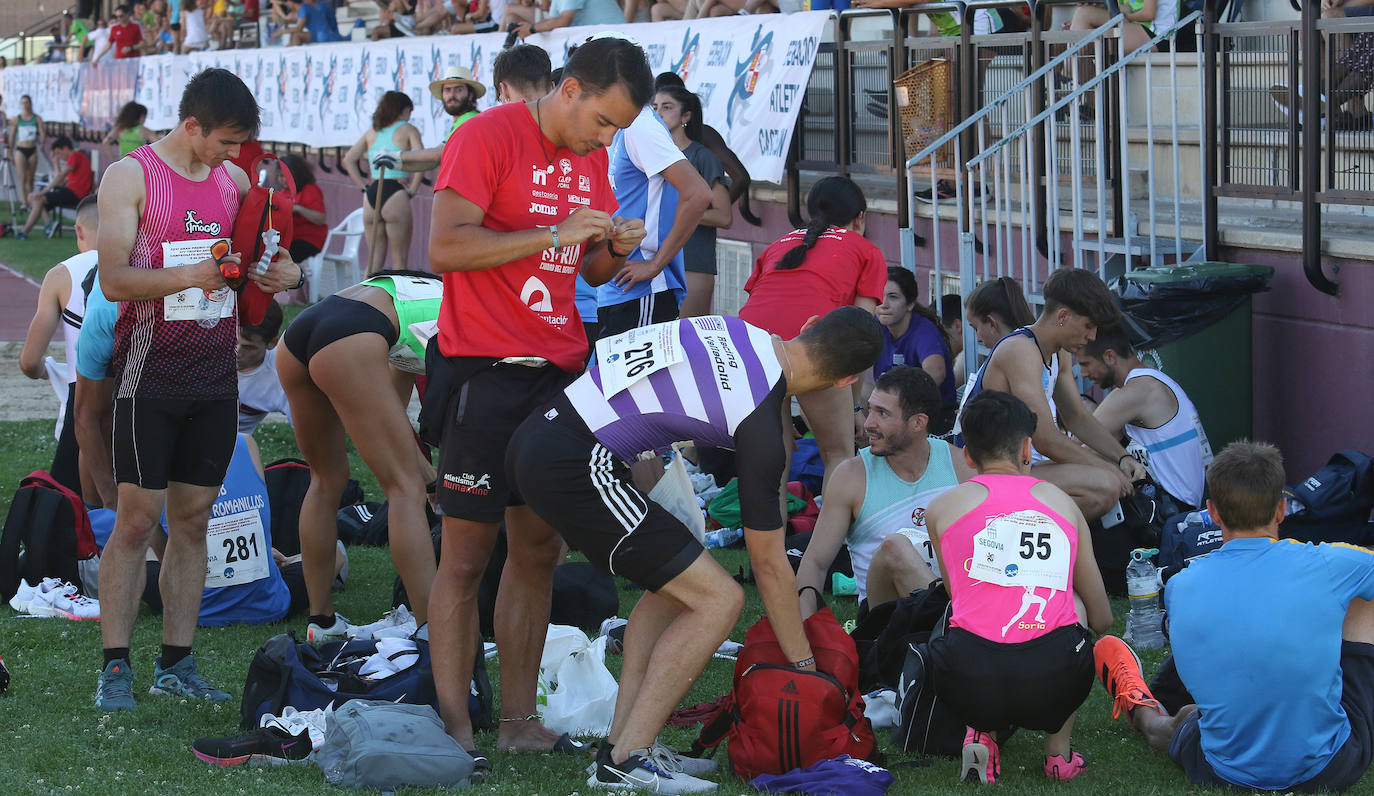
point(778, 718)
point(263, 208)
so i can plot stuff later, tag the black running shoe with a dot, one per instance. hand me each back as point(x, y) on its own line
point(270, 745)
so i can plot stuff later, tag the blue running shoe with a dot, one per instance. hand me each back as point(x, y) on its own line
point(115, 689)
point(184, 680)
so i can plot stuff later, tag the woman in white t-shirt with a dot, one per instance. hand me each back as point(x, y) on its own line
point(196, 36)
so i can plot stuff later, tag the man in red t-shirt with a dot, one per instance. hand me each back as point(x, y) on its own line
point(522, 198)
point(69, 187)
point(125, 34)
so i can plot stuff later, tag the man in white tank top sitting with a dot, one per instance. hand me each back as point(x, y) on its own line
point(876, 501)
point(62, 303)
point(1153, 411)
point(1033, 364)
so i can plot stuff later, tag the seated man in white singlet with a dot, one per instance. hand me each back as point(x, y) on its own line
point(876, 501)
point(1033, 364)
point(1153, 411)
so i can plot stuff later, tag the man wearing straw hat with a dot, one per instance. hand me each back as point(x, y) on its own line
point(459, 93)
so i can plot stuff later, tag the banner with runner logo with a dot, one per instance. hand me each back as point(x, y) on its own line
point(750, 72)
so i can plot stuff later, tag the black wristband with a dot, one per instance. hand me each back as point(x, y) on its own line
point(300, 283)
point(610, 247)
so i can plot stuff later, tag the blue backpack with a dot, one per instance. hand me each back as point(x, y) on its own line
point(285, 672)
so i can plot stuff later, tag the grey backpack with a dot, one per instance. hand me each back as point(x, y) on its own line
point(385, 745)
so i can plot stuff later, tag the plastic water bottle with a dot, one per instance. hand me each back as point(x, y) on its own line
point(1145, 623)
point(723, 537)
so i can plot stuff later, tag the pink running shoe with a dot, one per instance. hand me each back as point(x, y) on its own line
point(1057, 768)
point(981, 758)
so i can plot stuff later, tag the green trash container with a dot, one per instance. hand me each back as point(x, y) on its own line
point(1196, 320)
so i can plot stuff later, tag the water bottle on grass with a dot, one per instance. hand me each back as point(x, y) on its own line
point(1145, 622)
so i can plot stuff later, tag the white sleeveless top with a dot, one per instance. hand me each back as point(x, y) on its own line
point(78, 267)
point(1177, 453)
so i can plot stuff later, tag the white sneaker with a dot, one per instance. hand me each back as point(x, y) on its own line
point(691, 766)
point(648, 770)
point(314, 634)
point(292, 721)
point(20, 601)
point(397, 623)
point(55, 597)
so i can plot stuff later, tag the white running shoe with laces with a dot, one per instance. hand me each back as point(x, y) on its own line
point(55, 597)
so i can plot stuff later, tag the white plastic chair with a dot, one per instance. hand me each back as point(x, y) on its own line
point(327, 273)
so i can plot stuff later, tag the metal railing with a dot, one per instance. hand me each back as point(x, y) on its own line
point(1267, 79)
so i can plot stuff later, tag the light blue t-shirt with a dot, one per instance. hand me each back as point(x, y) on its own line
point(1256, 635)
point(638, 157)
point(95, 343)
point(590, 12)
point(586, 301)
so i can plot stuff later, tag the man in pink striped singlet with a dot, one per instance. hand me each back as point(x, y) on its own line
point(1017, 558)
point(176, 403)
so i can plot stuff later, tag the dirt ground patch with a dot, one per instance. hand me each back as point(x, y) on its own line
point(22, 398)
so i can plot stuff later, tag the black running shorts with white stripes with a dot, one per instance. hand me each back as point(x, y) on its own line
point(614, 319)
point(585, 492)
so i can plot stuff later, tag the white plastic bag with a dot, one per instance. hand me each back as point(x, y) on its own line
point(576, 690)
point(674, 492)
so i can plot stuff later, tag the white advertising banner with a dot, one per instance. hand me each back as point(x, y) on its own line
point(750, 72)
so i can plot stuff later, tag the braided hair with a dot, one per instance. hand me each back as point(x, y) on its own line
point(833, 202)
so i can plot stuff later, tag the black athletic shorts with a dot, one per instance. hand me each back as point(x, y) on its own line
point(389, 188)
point(481, 418)
point(586, 493)
point(189, 441)
point(333, 319)
point(659, 307)
point(61, 196)
point(1036, 684)
point(1351, 760)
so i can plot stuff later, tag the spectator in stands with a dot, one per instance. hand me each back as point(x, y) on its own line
point(26, 136)
point(386, 208)
point(913, 335)
point(1000, 664)
point(996, 308)
point(680, 111)
point(125, 34)
point(4, 62)
point(196, 35)
point(952, 319)
point(395, 18)
point(220, 21)
point(1144, 20)
point(62, 302)
point(568, 13)
point(811, 272)
point(128, 130)
point(1273, 639)
point(1153, 411)
point(309, 225)
point(1033, 364)
point(309, 21)
point(68, 187)
point(1355, 76)
point(56, 46)
point(260, 391)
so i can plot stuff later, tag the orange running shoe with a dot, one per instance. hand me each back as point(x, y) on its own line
point(1118, 667)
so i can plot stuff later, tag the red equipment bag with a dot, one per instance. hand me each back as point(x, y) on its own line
point(778, 718)
point(263, 209)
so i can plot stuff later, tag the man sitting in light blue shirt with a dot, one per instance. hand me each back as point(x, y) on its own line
point(1275, 641)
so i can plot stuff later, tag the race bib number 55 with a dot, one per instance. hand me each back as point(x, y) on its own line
point(1024, 548)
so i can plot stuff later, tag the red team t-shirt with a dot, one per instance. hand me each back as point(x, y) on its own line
point(842, 266)
point(79, 174)
point(124, 36)
point(525, 307)
point(313, 198)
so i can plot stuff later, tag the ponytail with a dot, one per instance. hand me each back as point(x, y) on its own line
point(797, 254)
point(833, 201)
point(1003, 299)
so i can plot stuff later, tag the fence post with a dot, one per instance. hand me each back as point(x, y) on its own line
point(1211, 238)
point(1312, 117)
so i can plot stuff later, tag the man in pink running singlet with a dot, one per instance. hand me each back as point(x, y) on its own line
point(163, 208)
point(1017, 557)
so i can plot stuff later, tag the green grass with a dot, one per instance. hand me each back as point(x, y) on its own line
point(33, 257)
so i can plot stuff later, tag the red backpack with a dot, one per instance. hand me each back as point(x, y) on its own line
point(49, 523)
point(263, 209)
point(778, 718)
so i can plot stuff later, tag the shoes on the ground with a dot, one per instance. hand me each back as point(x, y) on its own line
point(982, 760)
point(271, 745)
point(56, 597)
point(677, 762)
point(648, 770)
point(399, 622)
point(21, 235)
point(338, 631)
point(20, 601)
point(115, 689)
point(183, 679)
point(294, 722)
point(1057, 768)
point(944, 189)
point(481, 766)
point(1118, 667)
point(50, 228)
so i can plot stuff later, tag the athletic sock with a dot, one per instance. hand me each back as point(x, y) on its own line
point(171, 656)
point(115, 654)
point(322, 620)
